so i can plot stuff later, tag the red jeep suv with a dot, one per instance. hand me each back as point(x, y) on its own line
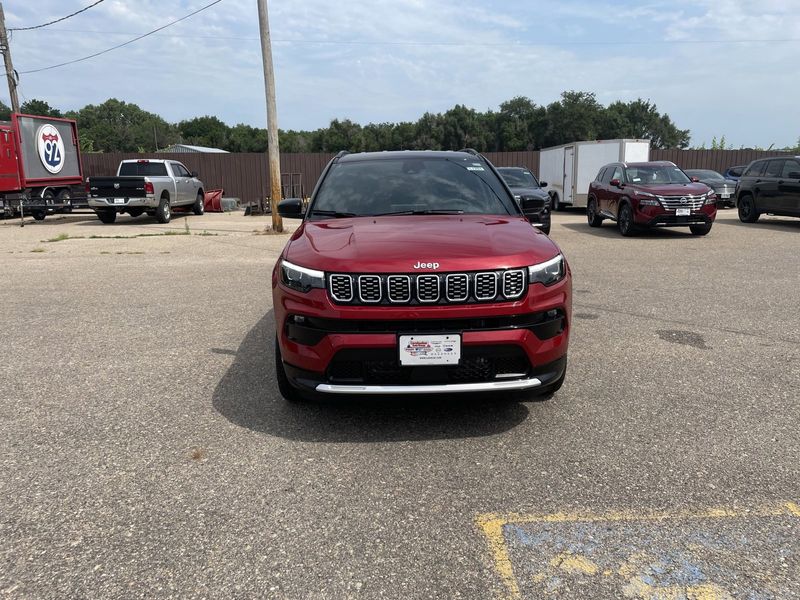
point(650, 194)
point(418, 273)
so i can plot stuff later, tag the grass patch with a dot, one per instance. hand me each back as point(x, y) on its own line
point(268, 231)
point(105, 252)
point(129, 252)
point(206, 233)
point(137, 235)
point(38, 250)
point(63, 237)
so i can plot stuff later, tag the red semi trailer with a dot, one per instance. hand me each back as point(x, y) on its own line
point(40, 163)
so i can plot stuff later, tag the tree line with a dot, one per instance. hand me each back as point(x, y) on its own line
point(518, 124)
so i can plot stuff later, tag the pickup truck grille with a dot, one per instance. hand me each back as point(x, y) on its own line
point(428, 288)
point(673, 202)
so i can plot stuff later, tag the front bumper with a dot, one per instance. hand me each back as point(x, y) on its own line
point(336, 349)
point(656, 216)
point(122, 204)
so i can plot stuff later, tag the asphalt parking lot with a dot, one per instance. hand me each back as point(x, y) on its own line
point(146, 453)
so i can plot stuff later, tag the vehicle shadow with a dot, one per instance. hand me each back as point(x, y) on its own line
point(247, 395)
point(765, 222)
point(609, 230)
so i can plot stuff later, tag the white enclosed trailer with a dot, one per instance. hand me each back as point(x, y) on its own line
point(568, 169)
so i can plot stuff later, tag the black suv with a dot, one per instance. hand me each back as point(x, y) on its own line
point(524, 183)
point(769, 185)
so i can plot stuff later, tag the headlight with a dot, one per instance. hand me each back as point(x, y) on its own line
point(711, 197)
point(301, 279)
point(549, 272)
point(647, 199)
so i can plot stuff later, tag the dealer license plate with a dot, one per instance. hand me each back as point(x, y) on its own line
point(725, 196)
point(683, 212)
point(119, 200)
point(429, 349)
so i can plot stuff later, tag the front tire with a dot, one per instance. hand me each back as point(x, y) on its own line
point(65, 198)
point(163, 212)
point(592, 217)
point(287, 390)
point(107, 216)
point(700, 229)
point(39, 215)
point(625, 220)
point(557, 206)
point(747, 209)
point(199, 205)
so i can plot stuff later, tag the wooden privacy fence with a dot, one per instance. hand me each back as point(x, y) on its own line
point(246, 176)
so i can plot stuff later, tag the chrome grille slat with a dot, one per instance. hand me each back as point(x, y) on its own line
point(369, 288)
point(486, 285)
point(456, 287)
point(428, 288)
point(673, 202)
point(398, 288)
point(341, 288)
point(513, 283)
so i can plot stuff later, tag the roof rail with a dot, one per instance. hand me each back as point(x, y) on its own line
point(341, 153)
point(470, 151)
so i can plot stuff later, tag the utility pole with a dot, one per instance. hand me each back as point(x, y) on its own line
point(273, 151)
point(6, 50)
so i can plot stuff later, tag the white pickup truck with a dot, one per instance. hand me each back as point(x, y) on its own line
point(145, 185)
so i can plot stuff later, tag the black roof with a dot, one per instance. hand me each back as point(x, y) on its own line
point(400, 154)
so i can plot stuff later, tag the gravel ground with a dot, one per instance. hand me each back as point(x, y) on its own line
point(146, 452)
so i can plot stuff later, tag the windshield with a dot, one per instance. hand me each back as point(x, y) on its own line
point(411, 185)
point(704, 174)
point(656, 175)
point(519, 178)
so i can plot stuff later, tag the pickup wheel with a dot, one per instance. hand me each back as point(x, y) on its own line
point(163, 212)
point(594, 219)
point(198, 207)
point(700, 229)
point(557, 206)
point(65, 198)
point(625, 220)
point(286, 389)
point(39, 215)
point(747, 209)
point(107, 216)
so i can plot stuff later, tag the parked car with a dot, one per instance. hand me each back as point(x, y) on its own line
point(524, 183)
point(769, 185)
point(418, 273)
point(725, 189)
point(145, 185)
point(734, 172)
point(650, 194)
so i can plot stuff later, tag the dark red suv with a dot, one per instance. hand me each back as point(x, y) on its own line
point(650, 194)
point(418, 273)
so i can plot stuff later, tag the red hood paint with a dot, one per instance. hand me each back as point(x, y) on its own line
point(395, 244)
point(688, 189)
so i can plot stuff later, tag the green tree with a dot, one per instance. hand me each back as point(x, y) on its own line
point(39, 107)
point(577, 116)
point(205, 131)
point(520, 125)
point(117, 126)
point(641, 119)
point(5, 112)
point(244, 138)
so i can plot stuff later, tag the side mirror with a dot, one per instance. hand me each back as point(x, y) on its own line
point(615, 183)
point(543, 184)
point(291, 208)
point(694, 179)
point(195, 175)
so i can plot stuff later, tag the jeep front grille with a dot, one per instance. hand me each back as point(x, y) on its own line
point(428, 288)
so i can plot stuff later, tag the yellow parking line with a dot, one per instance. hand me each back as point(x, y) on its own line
point(492, 524)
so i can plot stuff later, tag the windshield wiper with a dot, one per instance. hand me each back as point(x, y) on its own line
point(333, 213)
point(421, 212)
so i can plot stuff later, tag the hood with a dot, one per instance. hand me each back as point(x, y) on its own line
point(717, 184)
point(530, 191)
point(395, 244)
point(688, 189)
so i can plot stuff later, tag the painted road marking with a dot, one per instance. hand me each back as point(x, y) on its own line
point(716, 554)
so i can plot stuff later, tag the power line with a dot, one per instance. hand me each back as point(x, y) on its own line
point(77, 12)
point(439, 43)
point(136, 39)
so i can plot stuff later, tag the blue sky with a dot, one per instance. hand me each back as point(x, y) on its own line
point(717, 67)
